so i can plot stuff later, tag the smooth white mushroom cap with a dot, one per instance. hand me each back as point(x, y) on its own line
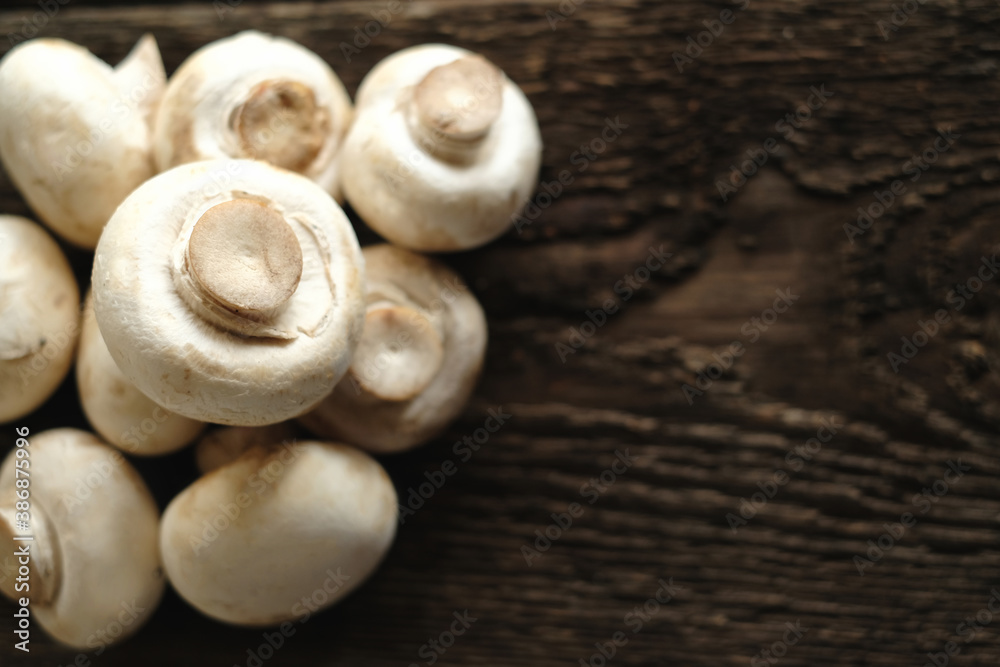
point(444, 151)
point(119, 412)
point(95, 566)
point(255, 96)
point(39, 316)
point(74, 136)
point(300, 518)
point(230, 291)
point(419, 358)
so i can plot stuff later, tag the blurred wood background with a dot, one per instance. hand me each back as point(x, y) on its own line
point(824, 360)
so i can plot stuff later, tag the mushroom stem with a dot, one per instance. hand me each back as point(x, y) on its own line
point(400, 352)
point(455, 105)
point(239, 267)
point(43, 563)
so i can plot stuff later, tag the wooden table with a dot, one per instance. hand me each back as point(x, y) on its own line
point(869, 544)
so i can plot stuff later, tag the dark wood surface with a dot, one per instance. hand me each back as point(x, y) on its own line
point(823, 360)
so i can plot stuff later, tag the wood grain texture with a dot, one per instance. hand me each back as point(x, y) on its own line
point(823, 359)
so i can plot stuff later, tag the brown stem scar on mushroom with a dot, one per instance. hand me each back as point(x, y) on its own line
point(421, 350)
point(238, 304)
point(259, 97)
point(461, 100)
point(403, 344)
point(444, 150)
point(246, 257)
point(281, 123)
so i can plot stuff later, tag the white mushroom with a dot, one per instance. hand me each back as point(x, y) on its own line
point(222, 445)
point(39, 316)
point(444, 151)
point(249, 542)
point(94, 574)
point(255, 96)
point(119, 412)
point(230, 291)
point(419, 358)
point(74, 133)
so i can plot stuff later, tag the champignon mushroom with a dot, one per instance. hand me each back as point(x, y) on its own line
point(74, 133)
point(230, 291)
point(444, 151)
point(420, 354)
point(222, 445)
point(247, 543)
point(94, 567)
point(119, 412)
point(255, 96)
point(39, 316)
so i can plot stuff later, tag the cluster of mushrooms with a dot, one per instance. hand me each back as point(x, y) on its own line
point(229, 288)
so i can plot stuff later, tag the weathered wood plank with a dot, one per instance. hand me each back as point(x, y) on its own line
point(822, 359)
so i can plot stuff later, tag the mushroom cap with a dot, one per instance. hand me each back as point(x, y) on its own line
point(247, 542)
point(169, 328)
point(257, 96)
point(39, 316)
point(75, 140)
point(95, 524)
point(401, 183)
point(222, 445)
point(119, 412)
point(366, 409)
